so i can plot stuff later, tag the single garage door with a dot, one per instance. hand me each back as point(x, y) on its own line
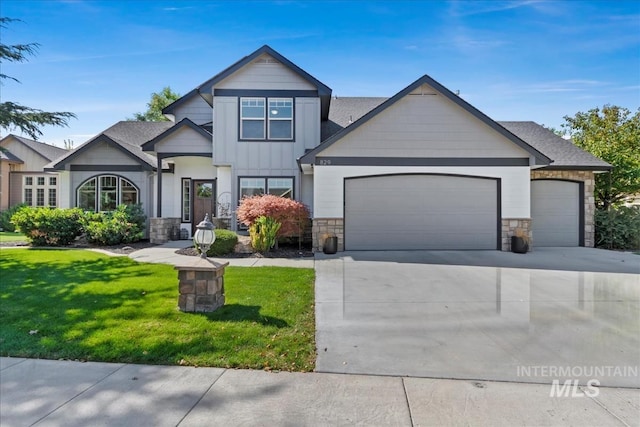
point(414, 212)
point(555, 213)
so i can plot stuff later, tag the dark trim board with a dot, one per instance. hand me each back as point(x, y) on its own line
point(107, 168)
point(581, 220)
point(164, 156)
point(576, 168)
point(421, 161)
point(498, 198)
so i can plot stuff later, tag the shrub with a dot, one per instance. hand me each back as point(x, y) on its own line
point(124, 225)
point(5, 217)
point(264, 233)
point(49, 226)
point(225, 243)
point(618, 228)
point(292, 215)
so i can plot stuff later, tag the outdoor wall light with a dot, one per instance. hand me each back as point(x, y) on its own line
point(204, 236)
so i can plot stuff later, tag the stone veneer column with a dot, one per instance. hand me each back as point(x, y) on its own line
point(509, 227)
point(589, 201)
point(201, 285)
point(325, 227)
point(160, 229)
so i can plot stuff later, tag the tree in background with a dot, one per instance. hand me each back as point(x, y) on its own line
point(612, 134)
point(159, 100)
point(16, 116)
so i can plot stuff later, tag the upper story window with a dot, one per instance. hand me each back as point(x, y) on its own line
point(41, 180)
point(266, 119)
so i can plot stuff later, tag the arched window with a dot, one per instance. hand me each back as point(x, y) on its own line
point(105, 192)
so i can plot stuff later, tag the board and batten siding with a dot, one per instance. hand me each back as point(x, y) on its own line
point(424, 125)
point(185, 140)
point(265, 73)
point(328, 197)
point(196, 109)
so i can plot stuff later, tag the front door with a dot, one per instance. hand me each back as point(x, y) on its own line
point(204, 201)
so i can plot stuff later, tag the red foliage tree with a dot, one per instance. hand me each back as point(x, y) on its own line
point(292, 214)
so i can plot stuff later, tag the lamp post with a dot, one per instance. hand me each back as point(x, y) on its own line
point(204, 236)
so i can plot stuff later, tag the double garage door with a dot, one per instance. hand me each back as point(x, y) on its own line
point(421, 212)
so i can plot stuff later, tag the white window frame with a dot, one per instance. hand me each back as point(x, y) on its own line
point(98, 191)
point(266, 118)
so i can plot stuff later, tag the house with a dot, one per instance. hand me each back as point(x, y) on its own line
point(420, 170)
point(22, 175)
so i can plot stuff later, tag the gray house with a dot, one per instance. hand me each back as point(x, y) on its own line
point(421, 170)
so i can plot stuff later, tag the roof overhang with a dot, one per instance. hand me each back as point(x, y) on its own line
point(184, 123)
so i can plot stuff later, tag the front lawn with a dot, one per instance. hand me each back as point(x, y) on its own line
point(75, 304)
point(7, 236)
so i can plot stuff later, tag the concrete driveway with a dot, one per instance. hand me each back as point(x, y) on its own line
point(553, 314)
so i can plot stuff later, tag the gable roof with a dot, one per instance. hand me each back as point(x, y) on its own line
point(150, 145)
point(206, 92)
point(309, 157)
point(564, 153)
point(346, 110)
point(9, 156)
point(47, 151)
point(128, 136)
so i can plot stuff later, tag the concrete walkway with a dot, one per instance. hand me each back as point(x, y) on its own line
point(166, 254)
point(65, 393)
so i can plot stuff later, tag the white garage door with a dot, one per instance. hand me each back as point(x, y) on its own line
point(555, 213)
point(413, 212)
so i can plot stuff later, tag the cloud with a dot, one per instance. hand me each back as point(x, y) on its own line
point(467, 8)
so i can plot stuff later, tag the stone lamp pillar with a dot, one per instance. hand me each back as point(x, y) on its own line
point(201, 285)
point(201, 280)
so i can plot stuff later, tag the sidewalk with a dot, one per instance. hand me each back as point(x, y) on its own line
point(166, 254)
point(64, 393)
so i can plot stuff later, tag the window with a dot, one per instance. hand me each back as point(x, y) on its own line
point(40, 197)
point(282, 187)
point(41, 180)
point(28, 180)
point(53, 181)
point(256, 124)
point(105, 193)
point(53, 199)
point(280, 118)
point(252, 118)
point(28, 196)
point(186, 199)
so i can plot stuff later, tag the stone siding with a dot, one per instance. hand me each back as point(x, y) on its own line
point(200, 291)
point(160, 229)
point(589, 202)
point(325, 227)
point(509, 227)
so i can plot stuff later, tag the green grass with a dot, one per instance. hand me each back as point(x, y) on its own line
point(89, 306)
point(7, 236)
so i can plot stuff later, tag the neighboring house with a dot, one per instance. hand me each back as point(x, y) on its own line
point(421, 170)
point(22, 175)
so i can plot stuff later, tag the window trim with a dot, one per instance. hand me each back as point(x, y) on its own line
point(267, 120)
point(98, 187)
point(183, 181)
point(266, 184)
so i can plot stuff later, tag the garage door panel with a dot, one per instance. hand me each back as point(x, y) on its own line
point(555, 213)
point(405, 212)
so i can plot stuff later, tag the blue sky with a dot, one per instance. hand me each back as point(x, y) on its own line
point(513, 60)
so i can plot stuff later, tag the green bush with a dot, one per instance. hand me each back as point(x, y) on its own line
point(49, 226)
point(618, 228)
point(5, 217)
point(124, 225)
point(226, 241)
point(264, 233)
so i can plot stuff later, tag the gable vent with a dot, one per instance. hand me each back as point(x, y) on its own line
point(266, 61)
